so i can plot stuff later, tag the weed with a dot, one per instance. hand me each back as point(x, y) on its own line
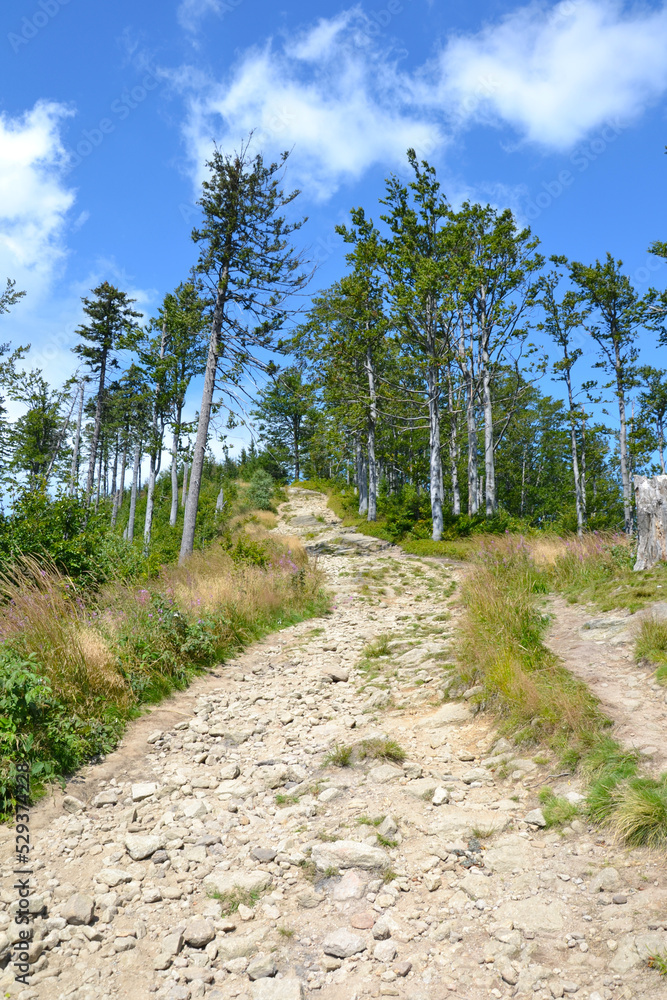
point(388, 876)
point(286, 932)
point(379, 647)
point(659, 962)
point(286, 800)
point(309, 869)
point(386, 841)
point(230, 901)
point(367, 821)
point(483, 832)
point(331, 872)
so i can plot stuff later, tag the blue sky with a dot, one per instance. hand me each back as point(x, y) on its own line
point(108, 111)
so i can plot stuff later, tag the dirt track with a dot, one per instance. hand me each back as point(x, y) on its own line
point(424, 879)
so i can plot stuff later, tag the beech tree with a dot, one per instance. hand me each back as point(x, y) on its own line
point(617, 313)
point(250, 268)
point(562, 319)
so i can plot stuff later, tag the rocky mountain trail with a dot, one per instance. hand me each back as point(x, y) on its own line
point(318, 820)
point(598, 647)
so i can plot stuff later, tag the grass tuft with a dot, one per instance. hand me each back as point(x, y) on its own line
point(640, 816)
point(339, 756)
point(557, 811)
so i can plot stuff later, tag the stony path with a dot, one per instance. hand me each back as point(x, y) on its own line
point(599, 648)
point(219, 854)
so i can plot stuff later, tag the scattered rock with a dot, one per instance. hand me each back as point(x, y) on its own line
point(198, 932)
point(78, 909)
point(342, 943)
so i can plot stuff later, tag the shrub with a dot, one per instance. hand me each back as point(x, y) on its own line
point(261, 490)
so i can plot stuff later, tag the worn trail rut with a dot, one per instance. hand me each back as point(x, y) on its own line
point(220, 852)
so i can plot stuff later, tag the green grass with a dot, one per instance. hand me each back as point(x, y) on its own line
point(378, 748)
point(640, 816)
point(230, 901)
point(651, 645)
point(367, 821)
point(598, 569)
point(379, 647)
point(658, 962)
point(539, 701)
point(286, 932)
point(557, 811)
point(339, 756)
point(382, 749)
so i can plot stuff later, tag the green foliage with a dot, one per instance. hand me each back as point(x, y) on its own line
point(65, 530)
point(261, 491)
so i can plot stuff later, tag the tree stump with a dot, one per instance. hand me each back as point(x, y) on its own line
point(651, 501)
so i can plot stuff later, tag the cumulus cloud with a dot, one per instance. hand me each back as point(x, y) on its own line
point(554, 73)
point(34, 198)
point(330, 94)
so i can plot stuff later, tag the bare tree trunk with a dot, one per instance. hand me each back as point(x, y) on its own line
point(129, 531)
point(523, 481)
point(489, 451)
point(372, 421)
point(114, 470)
point(99, 479)
point(156, 454)
point(575, 455)
point(176, 440)
point(150, 494)
point(362, 474)
point(623, 445)
point(466, 362)
point(453, 447)
point(661, 445)
point(437, 485)
point(97, 425)
point(74, 474)
point(186, 467)
point(118, 497)
point(190, 517)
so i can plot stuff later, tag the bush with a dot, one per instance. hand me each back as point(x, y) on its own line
point(65, 530)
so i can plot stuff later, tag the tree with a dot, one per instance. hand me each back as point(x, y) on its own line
point(618, 313)
point(653, 402)
point(415, 260)
point(111, 325)
point(250, 267)
point(561, 320)
point(183, 318)
point(496, 283)
point(283, 407)
point(10, 296)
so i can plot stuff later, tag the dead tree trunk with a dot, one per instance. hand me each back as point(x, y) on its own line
point(651, 502)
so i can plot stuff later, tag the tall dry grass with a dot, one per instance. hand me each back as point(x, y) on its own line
point(43, 614)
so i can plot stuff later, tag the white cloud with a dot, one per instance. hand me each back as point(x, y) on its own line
point(330, 94)
point(191, 12)
point(554, 74)
point(34, 198)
